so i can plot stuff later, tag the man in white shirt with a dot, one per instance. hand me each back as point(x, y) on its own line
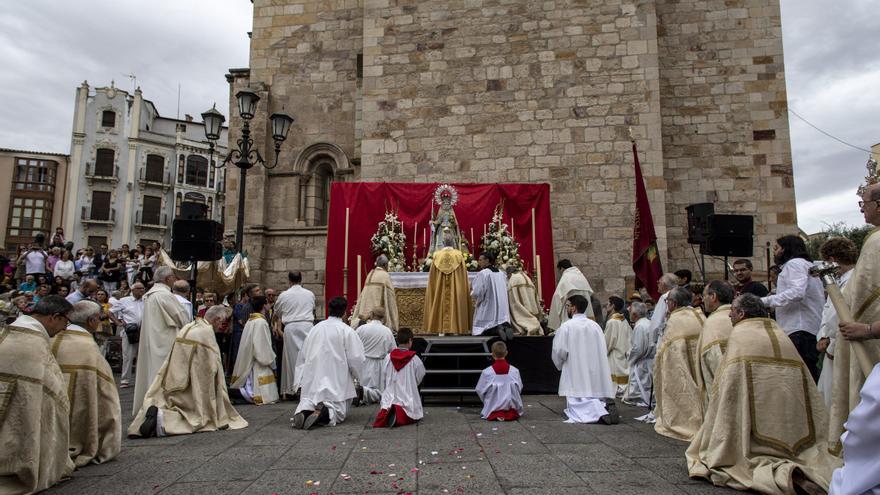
point(181, 292)
point(86, 290)
point(798, 300)
point(35, 261)
point(579, 352)
point(378, 342)
point(295, 309)
point(129, 312)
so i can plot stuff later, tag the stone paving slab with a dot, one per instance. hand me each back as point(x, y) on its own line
point(452, 451)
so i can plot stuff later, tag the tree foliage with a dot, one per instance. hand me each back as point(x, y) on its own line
point(838, 229)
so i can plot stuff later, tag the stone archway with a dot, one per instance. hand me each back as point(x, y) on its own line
point(317, 167)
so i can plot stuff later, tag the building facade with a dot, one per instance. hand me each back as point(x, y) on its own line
point(520, 91)
point(130, 169)
point(33, 186)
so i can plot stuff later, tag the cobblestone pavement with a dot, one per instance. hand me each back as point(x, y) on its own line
point(450, 451)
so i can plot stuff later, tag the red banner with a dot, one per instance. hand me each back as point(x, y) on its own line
point(365, 204)
point(645, 259)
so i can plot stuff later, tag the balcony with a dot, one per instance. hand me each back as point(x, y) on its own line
point(154, 222)
point(99, 174)
point(107, 217)
point(155, 180)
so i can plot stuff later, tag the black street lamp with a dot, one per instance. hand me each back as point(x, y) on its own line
point(244, 155)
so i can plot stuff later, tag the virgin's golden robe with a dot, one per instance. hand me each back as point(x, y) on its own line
point(448, 307)
point(766, 417)
point(679, 410)
point(854, 360)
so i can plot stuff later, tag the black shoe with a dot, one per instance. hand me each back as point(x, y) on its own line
point(321, 416)
point(613, 417)
point(508, 331)
point(151, 420)
point(392, 417)
point(298, 419)
point(359, 397)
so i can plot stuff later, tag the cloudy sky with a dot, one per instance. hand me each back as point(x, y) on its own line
point(48, 48)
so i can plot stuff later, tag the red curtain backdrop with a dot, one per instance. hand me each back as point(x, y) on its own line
point(367, 202)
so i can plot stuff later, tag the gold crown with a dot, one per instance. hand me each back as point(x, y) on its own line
point(872, 178)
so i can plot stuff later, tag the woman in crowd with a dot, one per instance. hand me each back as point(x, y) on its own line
point(64, 267)
point(110, 271)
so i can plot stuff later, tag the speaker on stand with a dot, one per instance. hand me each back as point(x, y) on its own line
point(194, 238)
point(730, 235)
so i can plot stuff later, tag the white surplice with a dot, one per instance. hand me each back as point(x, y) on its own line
point(331, 358)
point(489, 290)
point(571, 283)
point(163, 317)
point(860, 473)
point(658, 319)
point(401, 387)
point(254, 363)
point(641, 364)
point(500, 392)
point(295, 308)
point(378, 342)
point(579, 352)
point(828, 328)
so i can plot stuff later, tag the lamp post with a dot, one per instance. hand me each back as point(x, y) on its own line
point(244, 155)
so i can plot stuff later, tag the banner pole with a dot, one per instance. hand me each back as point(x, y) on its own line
point(345, 258)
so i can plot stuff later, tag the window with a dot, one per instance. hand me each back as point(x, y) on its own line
point(211, 174)
point(177, 202)
point(180, 168)
point(155, 168)
point(104, 162)
point(152, 211)
point(35, 175)
point(108, 118)
point(100, 205)
point(197, 170)
point(324, 177)
point(95, 242)
point(28, 216)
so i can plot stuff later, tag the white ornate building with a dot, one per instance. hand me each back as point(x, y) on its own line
point(130, 169)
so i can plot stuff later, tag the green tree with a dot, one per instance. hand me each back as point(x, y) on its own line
point(838, 229)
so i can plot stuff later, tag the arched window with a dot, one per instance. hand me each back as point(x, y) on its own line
point(197, 170)
point(104, 162)
point(108, 118)
point(323, 177)
point(155, 168)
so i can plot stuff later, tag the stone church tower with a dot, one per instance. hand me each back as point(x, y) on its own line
point(520, 91)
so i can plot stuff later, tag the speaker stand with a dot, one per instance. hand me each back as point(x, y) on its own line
point(194, 272)
point(726, 268)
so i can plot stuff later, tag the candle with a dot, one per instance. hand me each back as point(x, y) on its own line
point(512, 227)
point(534, 240)
point(345, 257)
point(538, 275)
point(473, 245)
point(359, 275)
point(415, 238)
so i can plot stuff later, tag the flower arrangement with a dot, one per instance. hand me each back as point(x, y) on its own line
point(498, 241)
point(390, 240)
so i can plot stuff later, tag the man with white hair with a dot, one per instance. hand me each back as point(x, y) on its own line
point(378, 292)
point(189, 394)
point(95, 414)
point(666, 283)
point(181, 292)
point(163, 317)
point(640, 357)
point(129, 313)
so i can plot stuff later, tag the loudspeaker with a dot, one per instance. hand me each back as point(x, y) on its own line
point(729, 235)
point(698, 221)
point(193, 211)
point(197, 240)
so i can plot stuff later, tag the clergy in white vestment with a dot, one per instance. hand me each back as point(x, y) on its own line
point(712, 343)
point(332, 358)
point(295, 308)
point(765, 428)
point(679, 409)
point(490, 296)
point(579, 352)
point(378, 342)
point(526, 312)
point(500, 387)
point(571, 282)
point(640, 358)
point(189, 394)
point(253, 373)
point(401, 403)
point(617, 341)
point(667, 282)
point(95, 414)
point(861, 464)
point(842, 251)
point(163, 317)
point(181, 291)
point(378, 292)
point(35, 429)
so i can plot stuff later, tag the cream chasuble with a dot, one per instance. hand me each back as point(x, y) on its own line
point(679, 409)
point(95, 414)
point(712, 344)
point(571, 283)
point(190, 389)
point(378, 292)
point(164, 316)
point(34, 421)
point(854, 360)
point(448, 307)
point(255, 360)
point(617, 340)
point(766, 417)
point(525, 310)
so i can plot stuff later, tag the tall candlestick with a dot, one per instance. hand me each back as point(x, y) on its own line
point(345, 257)
point(512, 229)
point(538, 276)
point(534, 240)
point(415, 241)
point(359, 275)
point(473, 245)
